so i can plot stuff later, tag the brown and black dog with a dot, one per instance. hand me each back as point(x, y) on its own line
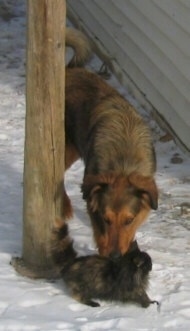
point(116, 146)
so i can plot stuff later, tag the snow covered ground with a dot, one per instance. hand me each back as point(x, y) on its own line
point(30, 305)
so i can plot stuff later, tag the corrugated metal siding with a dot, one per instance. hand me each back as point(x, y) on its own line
point(149, 44)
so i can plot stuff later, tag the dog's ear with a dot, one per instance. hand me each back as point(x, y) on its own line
point(95, 183)
point(92, 186)
point(94, 197)
point(91, 189)
point(147, 186)
point(90, 183)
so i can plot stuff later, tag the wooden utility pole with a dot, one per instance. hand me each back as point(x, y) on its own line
point(44, 134)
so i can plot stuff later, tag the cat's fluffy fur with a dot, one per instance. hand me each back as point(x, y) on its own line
point(95, 277)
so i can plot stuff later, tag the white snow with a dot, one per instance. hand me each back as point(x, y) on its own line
point(32, 305)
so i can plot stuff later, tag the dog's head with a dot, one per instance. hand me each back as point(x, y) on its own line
point(118, 205)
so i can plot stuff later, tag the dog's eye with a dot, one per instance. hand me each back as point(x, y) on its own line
point(107, 222)
point(128, 221)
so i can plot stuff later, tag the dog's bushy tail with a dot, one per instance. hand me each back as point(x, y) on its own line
point(81, 46)
point(62, 251)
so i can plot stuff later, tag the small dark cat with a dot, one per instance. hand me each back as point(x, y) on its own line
point(95, 277)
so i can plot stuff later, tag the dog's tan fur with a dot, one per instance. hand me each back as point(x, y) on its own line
point(105, 131)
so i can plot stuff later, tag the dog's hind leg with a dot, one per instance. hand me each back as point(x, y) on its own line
point(67, 207)
point(71, 155)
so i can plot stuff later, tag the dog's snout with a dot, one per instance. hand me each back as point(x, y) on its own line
point(115, 255)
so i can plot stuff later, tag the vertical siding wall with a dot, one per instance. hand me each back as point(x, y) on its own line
point(148, 42)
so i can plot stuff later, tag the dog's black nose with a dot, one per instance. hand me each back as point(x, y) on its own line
point(115, 255)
